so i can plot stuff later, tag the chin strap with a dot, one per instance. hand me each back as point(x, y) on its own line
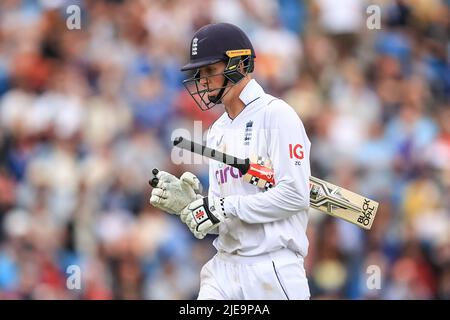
point(218, 98)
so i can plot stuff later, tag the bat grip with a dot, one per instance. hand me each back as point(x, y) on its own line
point(177, 141)
point(242, 165)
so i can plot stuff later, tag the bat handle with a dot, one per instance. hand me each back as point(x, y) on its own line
point(176, 141)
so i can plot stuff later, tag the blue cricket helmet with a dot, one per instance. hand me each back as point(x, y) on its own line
point(211, 43)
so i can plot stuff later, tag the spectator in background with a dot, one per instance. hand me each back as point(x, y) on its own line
point(86, 114)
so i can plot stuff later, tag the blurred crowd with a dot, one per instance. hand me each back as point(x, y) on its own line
point(85, 114)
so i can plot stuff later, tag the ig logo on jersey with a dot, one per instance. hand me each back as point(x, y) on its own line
point(295, 151)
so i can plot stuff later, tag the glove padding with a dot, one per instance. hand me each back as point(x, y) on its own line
point(203, 215)
point(172, 194)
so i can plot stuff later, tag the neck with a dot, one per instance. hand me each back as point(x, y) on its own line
point(234, 105)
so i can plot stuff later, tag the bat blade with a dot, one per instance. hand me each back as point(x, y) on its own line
point(342, 203)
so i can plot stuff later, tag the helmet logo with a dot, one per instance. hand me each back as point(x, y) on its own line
point(237, 53)
point(194, 46)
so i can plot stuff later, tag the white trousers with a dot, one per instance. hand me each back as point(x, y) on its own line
point(279, 275)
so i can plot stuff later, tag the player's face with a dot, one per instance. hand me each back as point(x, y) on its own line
point(211, 77)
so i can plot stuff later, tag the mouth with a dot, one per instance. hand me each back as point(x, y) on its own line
point(213, 93)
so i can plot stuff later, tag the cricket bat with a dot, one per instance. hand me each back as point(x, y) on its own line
point(324, 196)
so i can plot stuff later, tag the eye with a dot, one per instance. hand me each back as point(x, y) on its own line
point(202, 73)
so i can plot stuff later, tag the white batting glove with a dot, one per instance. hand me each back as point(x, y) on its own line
point(203, 215)
point(172, 194)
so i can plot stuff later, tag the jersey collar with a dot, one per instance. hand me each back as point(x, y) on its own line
point(251, 92)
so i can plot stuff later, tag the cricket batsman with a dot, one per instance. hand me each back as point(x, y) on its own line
point(261, 242)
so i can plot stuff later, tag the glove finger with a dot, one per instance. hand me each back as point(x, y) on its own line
point(161, 184)
point(162, 204)
point(165, 176)
point(191, 179)
point(155, 200)
point(159, 193)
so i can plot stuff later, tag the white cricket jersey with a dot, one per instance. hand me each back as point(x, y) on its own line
point(262, 221)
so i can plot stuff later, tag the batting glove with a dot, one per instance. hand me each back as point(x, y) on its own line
point(172, 194)
point(203, 215)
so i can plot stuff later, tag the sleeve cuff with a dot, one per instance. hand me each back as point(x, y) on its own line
point(231, 204)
